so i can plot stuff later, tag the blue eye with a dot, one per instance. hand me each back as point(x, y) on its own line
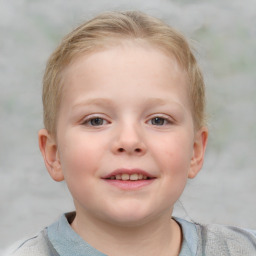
point(158, 121)
point(96, 121)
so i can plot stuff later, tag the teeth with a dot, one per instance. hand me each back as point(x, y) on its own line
point(125, 176)
point(118, 177)
point(134, 176)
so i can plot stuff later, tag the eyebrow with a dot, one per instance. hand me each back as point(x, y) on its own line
point(155, 101)
point(104, 102)
point(161, 102)
point(98, 101)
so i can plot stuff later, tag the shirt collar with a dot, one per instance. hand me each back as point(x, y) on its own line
point(67, 242)
point(190, 237)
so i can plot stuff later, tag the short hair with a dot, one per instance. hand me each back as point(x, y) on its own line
point(106, 29)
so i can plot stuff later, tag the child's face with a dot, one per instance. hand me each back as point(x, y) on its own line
point(125, 111)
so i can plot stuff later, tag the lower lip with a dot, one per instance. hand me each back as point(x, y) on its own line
point(129, 185)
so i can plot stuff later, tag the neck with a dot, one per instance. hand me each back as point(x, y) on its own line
point(161, 236)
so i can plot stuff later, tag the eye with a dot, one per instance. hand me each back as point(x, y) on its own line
point(95, 121)
point(159, 121)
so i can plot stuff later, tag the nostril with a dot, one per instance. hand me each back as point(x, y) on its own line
point(137, 150)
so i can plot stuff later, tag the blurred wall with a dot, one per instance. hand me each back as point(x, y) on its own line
point(224, 34)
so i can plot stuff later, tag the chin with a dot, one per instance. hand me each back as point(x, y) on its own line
point(131, 217)
point(129, 222)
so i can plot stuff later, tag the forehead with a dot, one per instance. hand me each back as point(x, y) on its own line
point(124, 44)
point(133, 61)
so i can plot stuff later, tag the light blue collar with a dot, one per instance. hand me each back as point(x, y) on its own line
point(190, 238)
point(67, 242)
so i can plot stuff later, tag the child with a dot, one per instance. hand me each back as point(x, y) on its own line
point(124, 115)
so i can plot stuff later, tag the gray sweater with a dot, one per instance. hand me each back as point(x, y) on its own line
point(59, 239)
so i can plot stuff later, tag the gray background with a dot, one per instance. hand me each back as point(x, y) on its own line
point(225, 37)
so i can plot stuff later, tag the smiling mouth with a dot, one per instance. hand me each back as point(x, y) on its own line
point(129, 177)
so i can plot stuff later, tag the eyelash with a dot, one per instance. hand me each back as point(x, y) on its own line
point(166, 120)
point(88, 121)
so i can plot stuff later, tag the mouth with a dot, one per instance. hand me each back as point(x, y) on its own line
point(129, 174)
point(129, 179)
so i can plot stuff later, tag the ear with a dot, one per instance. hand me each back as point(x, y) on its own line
point(199, 147)
point(49, 150)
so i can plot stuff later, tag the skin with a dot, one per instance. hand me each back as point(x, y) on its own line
point(126, 106)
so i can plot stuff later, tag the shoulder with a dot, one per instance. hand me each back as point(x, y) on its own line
point(226, 240)
point(37, 245)
point(215, 239)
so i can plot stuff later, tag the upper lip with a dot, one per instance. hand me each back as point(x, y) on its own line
point(127, 171)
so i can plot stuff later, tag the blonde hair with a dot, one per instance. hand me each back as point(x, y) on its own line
point(105, 29)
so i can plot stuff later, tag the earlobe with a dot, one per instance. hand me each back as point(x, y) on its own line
point(48, 148)
point(199, 147)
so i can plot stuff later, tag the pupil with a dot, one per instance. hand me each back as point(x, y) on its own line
point(158, 121)
point(96, 121)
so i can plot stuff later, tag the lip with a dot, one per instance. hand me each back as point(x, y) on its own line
point(127, 171)
point(127, 184)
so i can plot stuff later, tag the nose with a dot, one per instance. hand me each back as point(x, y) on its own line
point(129, 139)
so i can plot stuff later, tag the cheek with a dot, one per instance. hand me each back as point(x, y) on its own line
point(78, 158)
point(79, 166)
point(174, 153)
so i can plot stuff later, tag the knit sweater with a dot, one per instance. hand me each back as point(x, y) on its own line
point(59, 239)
